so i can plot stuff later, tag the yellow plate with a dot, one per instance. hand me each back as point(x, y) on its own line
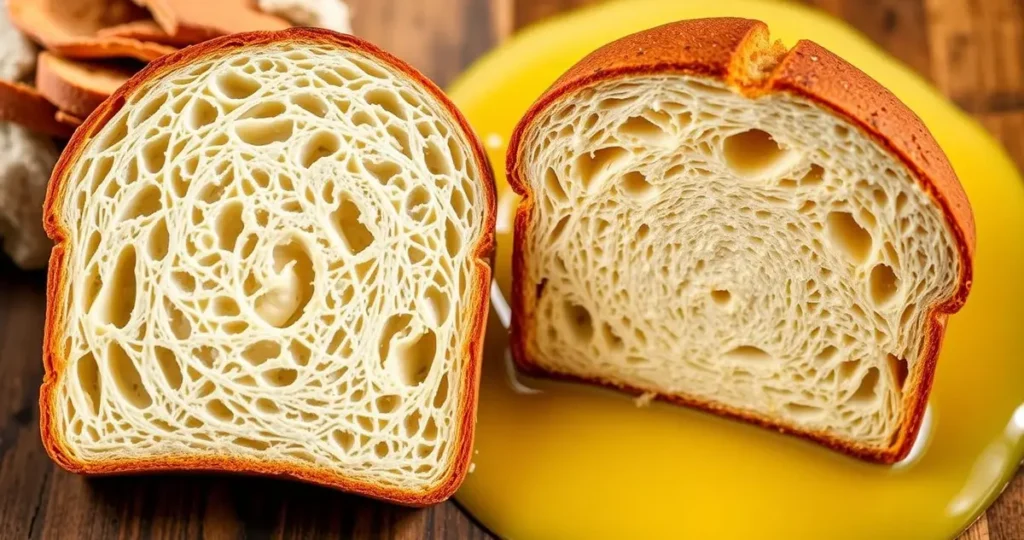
point(556, 460)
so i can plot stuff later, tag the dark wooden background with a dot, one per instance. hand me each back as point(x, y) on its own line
point(973, 50)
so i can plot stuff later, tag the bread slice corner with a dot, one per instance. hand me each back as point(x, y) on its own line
point(272, 257)
point(717, 221)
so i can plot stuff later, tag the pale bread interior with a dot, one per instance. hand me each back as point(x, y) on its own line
point(758, 254)
point(271, 257)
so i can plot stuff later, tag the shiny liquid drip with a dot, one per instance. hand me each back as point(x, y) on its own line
point(558, 460)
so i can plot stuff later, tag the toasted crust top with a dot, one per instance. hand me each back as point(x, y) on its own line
point(739, 52)
point(54, 362)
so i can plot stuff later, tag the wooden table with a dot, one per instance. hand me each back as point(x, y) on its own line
point(973, 50)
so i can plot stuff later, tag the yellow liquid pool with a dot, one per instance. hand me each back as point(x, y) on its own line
point(559, 460)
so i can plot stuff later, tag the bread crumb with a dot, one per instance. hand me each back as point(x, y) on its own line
point(493, 141)
point(644, 399)
point(472, 467)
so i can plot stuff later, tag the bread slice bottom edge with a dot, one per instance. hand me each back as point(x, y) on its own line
point(912, 407)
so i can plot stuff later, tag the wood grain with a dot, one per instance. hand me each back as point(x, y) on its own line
point(973, 50)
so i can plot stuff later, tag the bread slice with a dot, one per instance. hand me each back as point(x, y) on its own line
point(25, 106)
point(272, 258)
point(200, 20)
point(69, 27)
point(713, 220)
point(78, 87)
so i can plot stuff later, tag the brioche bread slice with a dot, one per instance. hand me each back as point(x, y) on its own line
point(271, 257)
point(78, 87)
point(713, 220)
point(70, 27)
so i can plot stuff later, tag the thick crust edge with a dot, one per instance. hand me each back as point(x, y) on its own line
point(55, 361)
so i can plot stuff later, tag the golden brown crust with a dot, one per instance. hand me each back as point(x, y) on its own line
point(739, 52)
point(69, 28)
point(77, 87)
point(54, 360)
point(199, 20)
point(24, 106)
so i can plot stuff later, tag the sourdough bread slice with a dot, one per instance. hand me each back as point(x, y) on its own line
point(716, 221)
point(271, 258)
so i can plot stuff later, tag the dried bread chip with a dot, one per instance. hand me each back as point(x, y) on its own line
point(146, 30)
point(78, 87)
point(70, 27)
point(200, 20)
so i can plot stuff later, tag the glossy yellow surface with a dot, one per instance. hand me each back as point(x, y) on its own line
point(556, 460)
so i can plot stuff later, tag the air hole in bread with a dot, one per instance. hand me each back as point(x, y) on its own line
point(438, 306)
point(553, 187)
point(884, 284)
point(90, 382)
point(813, 177)
point(321, 145)
point(229, 225)
point(867, 390)
point(145, 111)
point(721, 297)
point(415, 356)
point(267, 406)
point(593, 168)
point(755, 153)
point(219, 411)
point(848, 236)
point(578, 321)
point(264, 110)
point(383, 170)
point(635, 185)
point(169, 366)
point(290, 289)
point(126, 377)
point(348, 226)
point(251, 444)
point(343, 439)
point(611, 338)
point(235, 85)
point(559, 228)
point(311, 103)
point(201, 113)
point(898, 369)
point(748, 354)
point(146, 202)
point(280, 377)
point(114, 133)
point(645, 130)
point(400, 137)
point(387, 100)
point(417, 204)
point(263, 132)
point(438, 162)
point(158, 241)
point(804, 412)
point(116, 300)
